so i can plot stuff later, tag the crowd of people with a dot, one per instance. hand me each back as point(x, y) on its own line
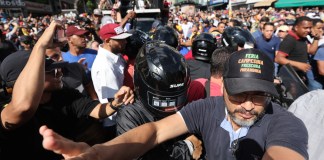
point(197, 86)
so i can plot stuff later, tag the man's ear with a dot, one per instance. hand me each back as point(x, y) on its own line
point(69, 39)
point(107, 40)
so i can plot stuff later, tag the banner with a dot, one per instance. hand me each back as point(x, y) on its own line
point(11, 4)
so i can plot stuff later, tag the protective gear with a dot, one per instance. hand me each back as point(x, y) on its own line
point(135, 42)
point(167, 35)
point(161, 78)
point(203, 46)
point(237, 37)
point(290, 22)
point(156, 24)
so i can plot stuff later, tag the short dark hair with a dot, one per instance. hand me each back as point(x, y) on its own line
point(218, 60)
point(316, 20)
point(264, 19)
point(219, 23)
point(268, 24)
point(236, 22)
point(299, 20)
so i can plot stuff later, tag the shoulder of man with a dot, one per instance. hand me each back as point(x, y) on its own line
point(90, 51)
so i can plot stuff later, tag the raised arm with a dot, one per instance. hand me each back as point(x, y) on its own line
point(29, 86)
point(129, 16)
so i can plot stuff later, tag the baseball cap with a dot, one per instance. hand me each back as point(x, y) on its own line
point(13, 64)
point(75, 30)
point(284, 28)
point(106, 20)
point(249, 70)
point(97, 12)
point(26, 39)
point(112, 31)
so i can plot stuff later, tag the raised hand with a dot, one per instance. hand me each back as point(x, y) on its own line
point(81, 61)
point(60, 145)
point(124, 96)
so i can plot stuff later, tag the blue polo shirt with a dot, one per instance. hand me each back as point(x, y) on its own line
point(88, 54)
point(269, 47)
point(257, 33)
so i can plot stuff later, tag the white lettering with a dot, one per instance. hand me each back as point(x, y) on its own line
point(202, 50)
point(176, 85)
point(12, 3)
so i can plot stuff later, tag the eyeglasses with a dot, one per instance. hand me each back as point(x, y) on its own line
point(57, 73)
point(256, 99)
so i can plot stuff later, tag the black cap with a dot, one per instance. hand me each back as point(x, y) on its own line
point(12, 66)
point(249, 70)
point(290, 22)
point(206, 21)
point(26, 39)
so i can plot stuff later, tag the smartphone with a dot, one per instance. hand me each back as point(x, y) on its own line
point(59, 35)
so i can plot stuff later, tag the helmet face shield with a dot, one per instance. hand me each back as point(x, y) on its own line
point(237, 37)
point(165, 103)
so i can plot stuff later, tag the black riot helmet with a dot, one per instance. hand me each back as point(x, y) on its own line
point(203, 46)
point(135, 42)
point(167, 35)
point(237, 37)
point(161, 78)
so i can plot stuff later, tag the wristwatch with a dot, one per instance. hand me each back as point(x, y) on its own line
point(110, 100)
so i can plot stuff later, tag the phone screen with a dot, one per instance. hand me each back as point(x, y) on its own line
point(60, 33)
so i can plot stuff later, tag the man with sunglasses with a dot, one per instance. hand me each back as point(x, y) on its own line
point(243, 124)
point(74, 74)
point(38, 98)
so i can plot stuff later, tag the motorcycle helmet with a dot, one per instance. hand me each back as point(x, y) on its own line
point(290, 22)
point(167, 35)
point(203, 46)
point(237, 37)
point(161, 78)
point(135, 42)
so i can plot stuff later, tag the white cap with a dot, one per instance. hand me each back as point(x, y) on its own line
point(97, 12)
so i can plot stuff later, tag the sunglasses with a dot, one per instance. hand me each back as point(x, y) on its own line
point(55, 56)
point(256, 99)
